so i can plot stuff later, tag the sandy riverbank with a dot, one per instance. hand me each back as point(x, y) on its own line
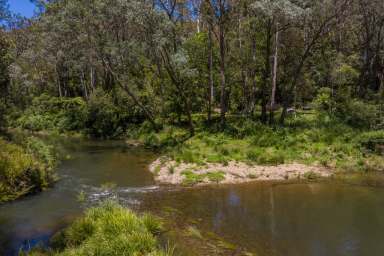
point(167, 171)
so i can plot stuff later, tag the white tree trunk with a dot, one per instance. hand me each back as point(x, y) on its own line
point(274, 75)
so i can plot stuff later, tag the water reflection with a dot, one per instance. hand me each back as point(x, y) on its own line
point(316, 219)
point(292, 219)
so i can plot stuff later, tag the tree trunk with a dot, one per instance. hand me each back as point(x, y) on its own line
point(274, 76)
point(266, 74)
point(141, 106)
point(84, 85)
point(252, 96)
point(58, 82)
point(210, 70)
point(223, 96)
point(189, 116)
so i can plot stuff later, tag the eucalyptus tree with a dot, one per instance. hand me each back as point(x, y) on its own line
point(370, 17)
point(278, 16)
point(312, 27)
point(218, 16)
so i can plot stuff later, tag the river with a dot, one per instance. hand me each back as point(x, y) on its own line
point(290, 219)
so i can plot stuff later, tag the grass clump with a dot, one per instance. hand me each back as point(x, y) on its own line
point(192, 178)
point(157, 170)
point(216, 176)
point(112, 230)
point(25, 169)
point(268, 156)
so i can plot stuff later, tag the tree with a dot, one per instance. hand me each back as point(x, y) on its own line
point(321, 21)
point(4, 61)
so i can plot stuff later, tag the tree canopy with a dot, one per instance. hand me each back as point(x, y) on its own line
point(170, 59)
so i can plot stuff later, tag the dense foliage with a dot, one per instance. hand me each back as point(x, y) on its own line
point(152, 69)
point(25, 168)
point(164, 61)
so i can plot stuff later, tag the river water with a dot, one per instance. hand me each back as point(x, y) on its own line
point(316, 219)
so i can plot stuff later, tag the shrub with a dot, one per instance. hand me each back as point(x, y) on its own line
point(216, 176)
point(373, 141)
point(103, 117)
point(252, 155)
point(323, 102)
point(41, 150)
point(24, 171)
point(110, 229)
point(359, 114)
point(47, 113)
point(152, 141)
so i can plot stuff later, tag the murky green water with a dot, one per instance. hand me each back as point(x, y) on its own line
point(329, 218)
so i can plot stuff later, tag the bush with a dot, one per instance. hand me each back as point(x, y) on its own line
point(373, 141)
point(47, 113)
point(354, 112)
point(104, 119)
point(110, 229)
point(24, 171)
point(323, 102)
point(357, 113)
point(103, 115)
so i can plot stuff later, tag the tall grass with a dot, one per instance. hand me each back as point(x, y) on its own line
point(304, 139)
point(111, 230)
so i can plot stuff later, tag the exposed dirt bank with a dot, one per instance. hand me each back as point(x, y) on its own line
point(167, 171)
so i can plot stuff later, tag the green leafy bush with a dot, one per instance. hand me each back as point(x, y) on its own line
point(359, 114)
point(373, 141)
point(47, 113)
point(111, 114)
point(103, 115)
point(104, 118)
point(323, 102)
point(24, 171)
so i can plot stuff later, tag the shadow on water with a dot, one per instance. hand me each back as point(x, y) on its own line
point(329, 218)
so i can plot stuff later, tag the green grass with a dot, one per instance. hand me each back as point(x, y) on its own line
point(216, 176)
point(304, 139)
point(112, 230)
point(192, 178)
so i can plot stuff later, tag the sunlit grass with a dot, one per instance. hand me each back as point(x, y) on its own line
point(112, 230)
point(304, 139)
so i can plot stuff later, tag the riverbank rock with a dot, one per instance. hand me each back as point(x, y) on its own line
point(167, 171)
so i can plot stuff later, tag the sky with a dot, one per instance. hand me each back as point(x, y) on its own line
point(23, 7)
